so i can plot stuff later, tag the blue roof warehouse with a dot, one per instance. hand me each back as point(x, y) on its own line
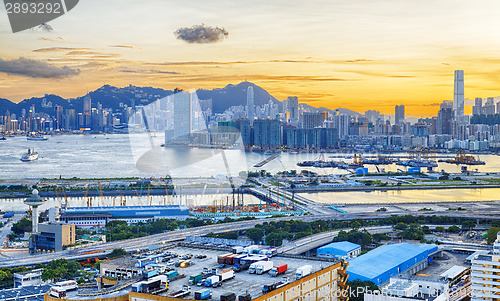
point(341, 249)
point(381, 264)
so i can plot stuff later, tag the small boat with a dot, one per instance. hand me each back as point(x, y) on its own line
point(37, 137)
point(29, 156)
point(3, 138)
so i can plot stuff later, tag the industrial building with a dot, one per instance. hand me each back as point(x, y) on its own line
point(28, 278)
point(387, 261)
point(100, 216)
point(342, 250)
point(52, 237)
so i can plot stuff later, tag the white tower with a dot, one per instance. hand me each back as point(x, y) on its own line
point(34, 201)
point(250, 105)
point(458, 94)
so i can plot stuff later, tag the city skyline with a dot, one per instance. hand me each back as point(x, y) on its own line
point(387, 52)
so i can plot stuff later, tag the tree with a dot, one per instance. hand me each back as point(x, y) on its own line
point(454, 229)
point(23, 225)
point(118, 253)
point(274, 239)
point(356, 225)
point(491, 234)
point(400, 226)
point(357, 289)
point(255, 234)
point(439, 229)
point(468, 225)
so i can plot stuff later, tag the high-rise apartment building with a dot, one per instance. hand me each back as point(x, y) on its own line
point(489, 107)
point(477, 109)
point(485, 274)
point(445, 118)
point(341, 123)
point(312, 120)
point(183, 106)
point(458, 94)
point(267, 133)
point(291, 109)
point(399, 115)
point(250, 104)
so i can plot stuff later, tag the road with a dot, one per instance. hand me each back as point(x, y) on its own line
point(144, 242)
point(310, 242)
point(6, 229)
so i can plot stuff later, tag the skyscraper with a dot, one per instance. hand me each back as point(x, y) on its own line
point(445, 118)
point(399, 115)
point(87, 105)
point(489, 107)
point(250, 104)
point(458, 94)
point(183, 105)
point(313, 119)
point(478, 106)
point(341, 123)
point(291, 106)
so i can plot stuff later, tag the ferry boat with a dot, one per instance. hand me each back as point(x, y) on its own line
point(36, 138)
point(29, 156)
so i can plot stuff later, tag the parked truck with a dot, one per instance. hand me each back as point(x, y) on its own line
point(229, 259)
point(203, 294)
point(237, 250)
point(185, 291)
point(172, 274)
point(225, 275)
point(253, 267)
point(228, 297)
point(278, 269)
point(212, 281)
point(245, 297)
point(241, 267)
point(193, 279)
point(263, 267)
point(249, 249)
point(303, 271)
point(221, 259)
point(272, 286)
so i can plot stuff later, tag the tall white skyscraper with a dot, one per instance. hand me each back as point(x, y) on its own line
point(291, 106)
point(183, 106)
point(458, 94)
point(341, 123)
point(250, 104)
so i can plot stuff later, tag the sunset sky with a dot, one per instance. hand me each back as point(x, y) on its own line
point(360, 55)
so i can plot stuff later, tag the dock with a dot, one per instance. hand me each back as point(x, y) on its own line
point(267, 160)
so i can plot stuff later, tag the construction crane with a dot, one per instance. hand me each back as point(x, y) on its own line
point(65, 198)
point(100, 191)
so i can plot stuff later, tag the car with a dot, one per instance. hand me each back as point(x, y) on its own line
point(200, 283)
point(170, 262)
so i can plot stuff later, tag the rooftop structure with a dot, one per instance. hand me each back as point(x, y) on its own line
point(384, 262)
point(28, 278)
point(99, 216)
point(341, 249)
point(34, 201)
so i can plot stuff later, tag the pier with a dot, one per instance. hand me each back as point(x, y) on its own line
point(267, 160)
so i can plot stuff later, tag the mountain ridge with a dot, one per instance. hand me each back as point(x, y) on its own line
point(115, 97)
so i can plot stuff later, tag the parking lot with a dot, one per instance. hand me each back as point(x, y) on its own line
point(244, 282)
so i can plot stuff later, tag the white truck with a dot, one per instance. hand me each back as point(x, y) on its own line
point(253, 267)
point(249, 249)
point(303, 271)
point(263, 267)
point(225, 275)
point(237, 250)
